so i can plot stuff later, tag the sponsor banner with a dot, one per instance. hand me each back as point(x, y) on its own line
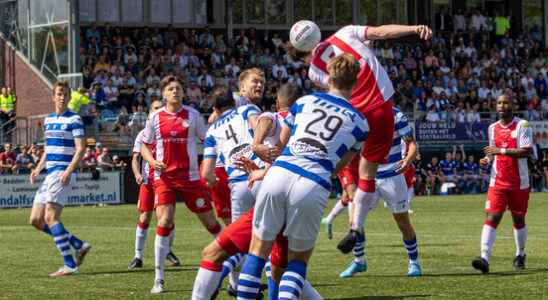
point(16, 190)
point(451, 132)
point(540, 133)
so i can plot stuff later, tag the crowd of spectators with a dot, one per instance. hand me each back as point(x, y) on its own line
point(460, 173)
point(23, 159)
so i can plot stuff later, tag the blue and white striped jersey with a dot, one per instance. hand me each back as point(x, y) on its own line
point(60, 132)
point(324, 128)
point(401, 130)
point(231, 137)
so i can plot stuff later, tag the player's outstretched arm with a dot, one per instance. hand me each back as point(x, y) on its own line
point(385, 32)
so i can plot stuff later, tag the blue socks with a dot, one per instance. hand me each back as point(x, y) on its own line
point(412, 248)
point(61, 238)
point(291, 285)
point(73, 241)
point(272, 284)
point(249, 282)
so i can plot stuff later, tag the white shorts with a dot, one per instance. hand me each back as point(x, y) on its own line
point(393, 190)
point(242, 198)
point(287, 198)
point(52, 191)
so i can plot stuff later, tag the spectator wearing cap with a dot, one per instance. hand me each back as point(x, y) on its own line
point(118, 163)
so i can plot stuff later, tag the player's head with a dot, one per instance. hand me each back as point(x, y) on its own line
point(61, 95)
point(448, 156)
point(343, 71)
point(222, 99)
point(155, 106)
point(303, 38)
point(287, 95)
point(252, 84)
point(172, 89)
point(504, 107)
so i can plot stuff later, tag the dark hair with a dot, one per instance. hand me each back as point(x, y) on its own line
point(167, 80)
point(222, 97)
point(289, 93)
point(294, 53)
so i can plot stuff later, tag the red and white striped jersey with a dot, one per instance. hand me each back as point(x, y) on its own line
point(373, 87)
point(146, 171)
point(506, 171)
point(175, 135)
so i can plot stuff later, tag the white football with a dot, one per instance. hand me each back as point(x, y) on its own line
point(305, 35)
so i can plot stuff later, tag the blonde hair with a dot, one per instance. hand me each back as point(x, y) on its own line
point(343, 71)
point(245, 74)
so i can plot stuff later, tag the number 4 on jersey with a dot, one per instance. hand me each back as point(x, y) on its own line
point(230, 134)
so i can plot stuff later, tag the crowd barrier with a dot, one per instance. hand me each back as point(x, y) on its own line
point(16, 190)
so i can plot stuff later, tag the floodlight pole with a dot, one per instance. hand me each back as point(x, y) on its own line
point(74, 36)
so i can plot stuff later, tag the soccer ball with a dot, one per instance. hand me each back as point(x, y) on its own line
point(305, 35)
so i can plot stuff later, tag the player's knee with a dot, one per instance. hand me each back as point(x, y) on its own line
point(214, 253)
point(145, 217)
point(37, 223)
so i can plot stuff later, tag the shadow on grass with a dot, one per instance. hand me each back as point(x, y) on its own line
point(472, 273)
point(402, 297)
point(422, 245)
point(184, 268)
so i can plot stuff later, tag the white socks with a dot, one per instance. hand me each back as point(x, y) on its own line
point(337, 209)
point(520, 236)
point(488, 235)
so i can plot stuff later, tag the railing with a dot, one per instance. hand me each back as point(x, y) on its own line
point(6, 131)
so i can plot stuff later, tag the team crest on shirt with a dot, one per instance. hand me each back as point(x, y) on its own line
point(200, 202)
point(185, 123)
point(173, 133)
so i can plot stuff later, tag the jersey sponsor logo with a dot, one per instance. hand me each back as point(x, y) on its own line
point(64, 127)
point(240, 151)
point(308, 146)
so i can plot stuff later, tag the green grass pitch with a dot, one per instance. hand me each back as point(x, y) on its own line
point(448, 230)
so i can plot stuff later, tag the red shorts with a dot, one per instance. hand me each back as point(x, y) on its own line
point(410, 176)
point(350, 173)
point(381, 130)
point(220, 194)
point(236, 238)
point(194, 194)
point(500, 199)
point(146, 198)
